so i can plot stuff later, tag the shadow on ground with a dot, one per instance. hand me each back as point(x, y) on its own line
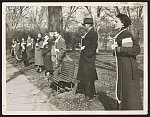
point(15, 75)
point(108, 102)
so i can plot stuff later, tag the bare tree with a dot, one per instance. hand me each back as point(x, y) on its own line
point(89, 10)
point(38, 17)
point(72, 10)
point(117, 9)
point(128, 11)
point(14, 14)
point(139, 23)
point(99, 11)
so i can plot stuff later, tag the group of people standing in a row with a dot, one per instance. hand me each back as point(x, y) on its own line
point(42, 53)
point(126, 48)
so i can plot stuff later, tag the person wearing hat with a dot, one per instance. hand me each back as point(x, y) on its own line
point(87, 71)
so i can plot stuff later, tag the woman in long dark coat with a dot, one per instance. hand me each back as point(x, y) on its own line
point(46, 52)
point(87, 70)
point(128, 85)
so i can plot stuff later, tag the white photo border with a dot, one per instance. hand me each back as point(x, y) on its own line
point(145, 104)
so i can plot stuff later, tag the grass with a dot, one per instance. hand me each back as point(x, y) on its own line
point(105, 85)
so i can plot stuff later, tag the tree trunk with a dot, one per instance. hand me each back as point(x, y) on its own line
point(55, 20)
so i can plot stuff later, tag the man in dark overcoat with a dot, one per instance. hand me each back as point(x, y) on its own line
point(87, 70)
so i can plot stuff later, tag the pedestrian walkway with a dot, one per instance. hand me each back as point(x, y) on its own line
point(21, 95)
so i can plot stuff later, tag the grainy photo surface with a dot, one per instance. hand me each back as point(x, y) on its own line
point(78, 58)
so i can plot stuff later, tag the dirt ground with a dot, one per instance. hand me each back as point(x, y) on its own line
point(68, 101)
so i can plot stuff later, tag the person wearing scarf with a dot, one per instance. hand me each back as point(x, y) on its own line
point(87, 71)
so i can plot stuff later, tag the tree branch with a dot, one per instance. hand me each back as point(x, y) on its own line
point(118, 11)
point(89, 10)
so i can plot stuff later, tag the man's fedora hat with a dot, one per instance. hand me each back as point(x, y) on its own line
point(87, 21)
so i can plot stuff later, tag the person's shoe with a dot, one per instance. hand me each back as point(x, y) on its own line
point(48, 75)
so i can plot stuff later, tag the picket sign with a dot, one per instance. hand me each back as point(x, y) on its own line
point(114, 42)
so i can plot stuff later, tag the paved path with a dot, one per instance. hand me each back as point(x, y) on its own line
point(21, 95)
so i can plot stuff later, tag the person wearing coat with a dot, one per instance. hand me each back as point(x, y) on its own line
point(127, 48)
point(23, 51)
point(60, 49)
point(12, 48)
point(46, 52)
point(17, 50)
point(30, 48)
point(87, 71)
point(38, 53)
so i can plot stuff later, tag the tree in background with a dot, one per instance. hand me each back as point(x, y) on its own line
point(55, 19)
point(68, 19)
point(14, 14)
point(39, 18)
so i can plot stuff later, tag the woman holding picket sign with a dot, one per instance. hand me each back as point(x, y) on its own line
point(126, 48)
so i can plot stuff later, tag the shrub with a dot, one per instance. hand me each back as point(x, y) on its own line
point(19, 34)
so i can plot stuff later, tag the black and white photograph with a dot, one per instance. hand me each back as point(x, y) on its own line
point(74, 58)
